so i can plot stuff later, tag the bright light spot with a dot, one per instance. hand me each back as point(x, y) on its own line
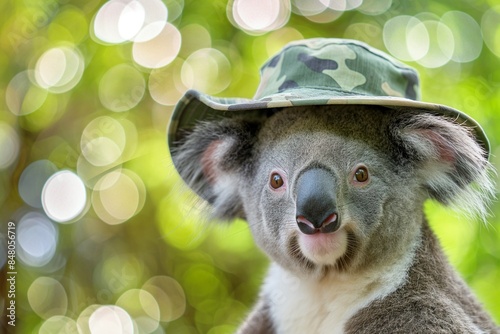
point(395, 35)
point(207, 70)
point(118, 196)
point(32, 181)
point(259, 16)
point(175, 8)
point(102, 151)
point(154, 20)
point(37, 239)
point(50, 68)
point(64, 196)
point(328, 15)
point(118, 21)
point(308, 7)
point(159, 51)
point(22, 97)
point(107, 20)
point(59, 69)
point(83, 318)
point(131, 20)
point(9, 145)
point(150, 31)
point(323, 11)
point(417, 40)
point(142, 307)
point(491, 29)
point(342, 5)
point(121, 88)
point(165, 84)
point(106, 143)
point(374, 7)
point(169, 295)
point(59, 324)
point(433, 42)
point(468, 40)
point(441, 45)
point(103, 141)
point(47, 297)
point(110, 319)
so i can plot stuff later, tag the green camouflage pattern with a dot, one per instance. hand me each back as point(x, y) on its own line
point(342, 67)
point(319, 72)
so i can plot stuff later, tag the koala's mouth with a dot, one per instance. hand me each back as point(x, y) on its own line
point(331, 251)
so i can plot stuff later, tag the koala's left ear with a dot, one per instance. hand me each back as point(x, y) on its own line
point(212, 161)
point(448, 159)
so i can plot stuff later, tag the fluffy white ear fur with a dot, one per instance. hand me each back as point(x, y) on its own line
point(211, 160)
point(453, 165)
point(224, 183)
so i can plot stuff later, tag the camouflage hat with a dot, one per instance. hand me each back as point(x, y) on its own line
point(319, 72)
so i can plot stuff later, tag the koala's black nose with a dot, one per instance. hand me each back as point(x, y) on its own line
point(316, 202)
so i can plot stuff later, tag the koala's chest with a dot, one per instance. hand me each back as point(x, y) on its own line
point(299, 306)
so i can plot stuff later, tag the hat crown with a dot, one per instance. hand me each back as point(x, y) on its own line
point(320, 71)
point(341, 67)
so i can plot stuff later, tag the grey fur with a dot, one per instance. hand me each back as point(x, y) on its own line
point(411, 156)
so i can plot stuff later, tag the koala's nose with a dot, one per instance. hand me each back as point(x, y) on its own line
point(316, 202)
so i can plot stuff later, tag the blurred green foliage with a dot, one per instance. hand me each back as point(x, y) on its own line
point(105, 228)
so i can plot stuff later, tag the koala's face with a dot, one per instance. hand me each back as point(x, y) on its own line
point(333, 188)
point(319, 189)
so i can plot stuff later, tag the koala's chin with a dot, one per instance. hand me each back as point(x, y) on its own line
point(323, 249)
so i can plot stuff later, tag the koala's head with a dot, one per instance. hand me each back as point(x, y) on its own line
point(333, 188)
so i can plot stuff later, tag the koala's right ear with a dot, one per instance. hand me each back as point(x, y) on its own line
point(451, 162)
point(213, 160)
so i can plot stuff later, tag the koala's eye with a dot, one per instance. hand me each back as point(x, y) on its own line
point(276, 181)
point(361, 174)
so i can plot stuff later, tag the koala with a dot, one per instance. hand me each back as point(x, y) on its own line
point(334, 196)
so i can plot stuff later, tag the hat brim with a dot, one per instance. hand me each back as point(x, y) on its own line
point(195, 106)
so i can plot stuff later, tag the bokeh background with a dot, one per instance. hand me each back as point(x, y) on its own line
point(108, 239)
